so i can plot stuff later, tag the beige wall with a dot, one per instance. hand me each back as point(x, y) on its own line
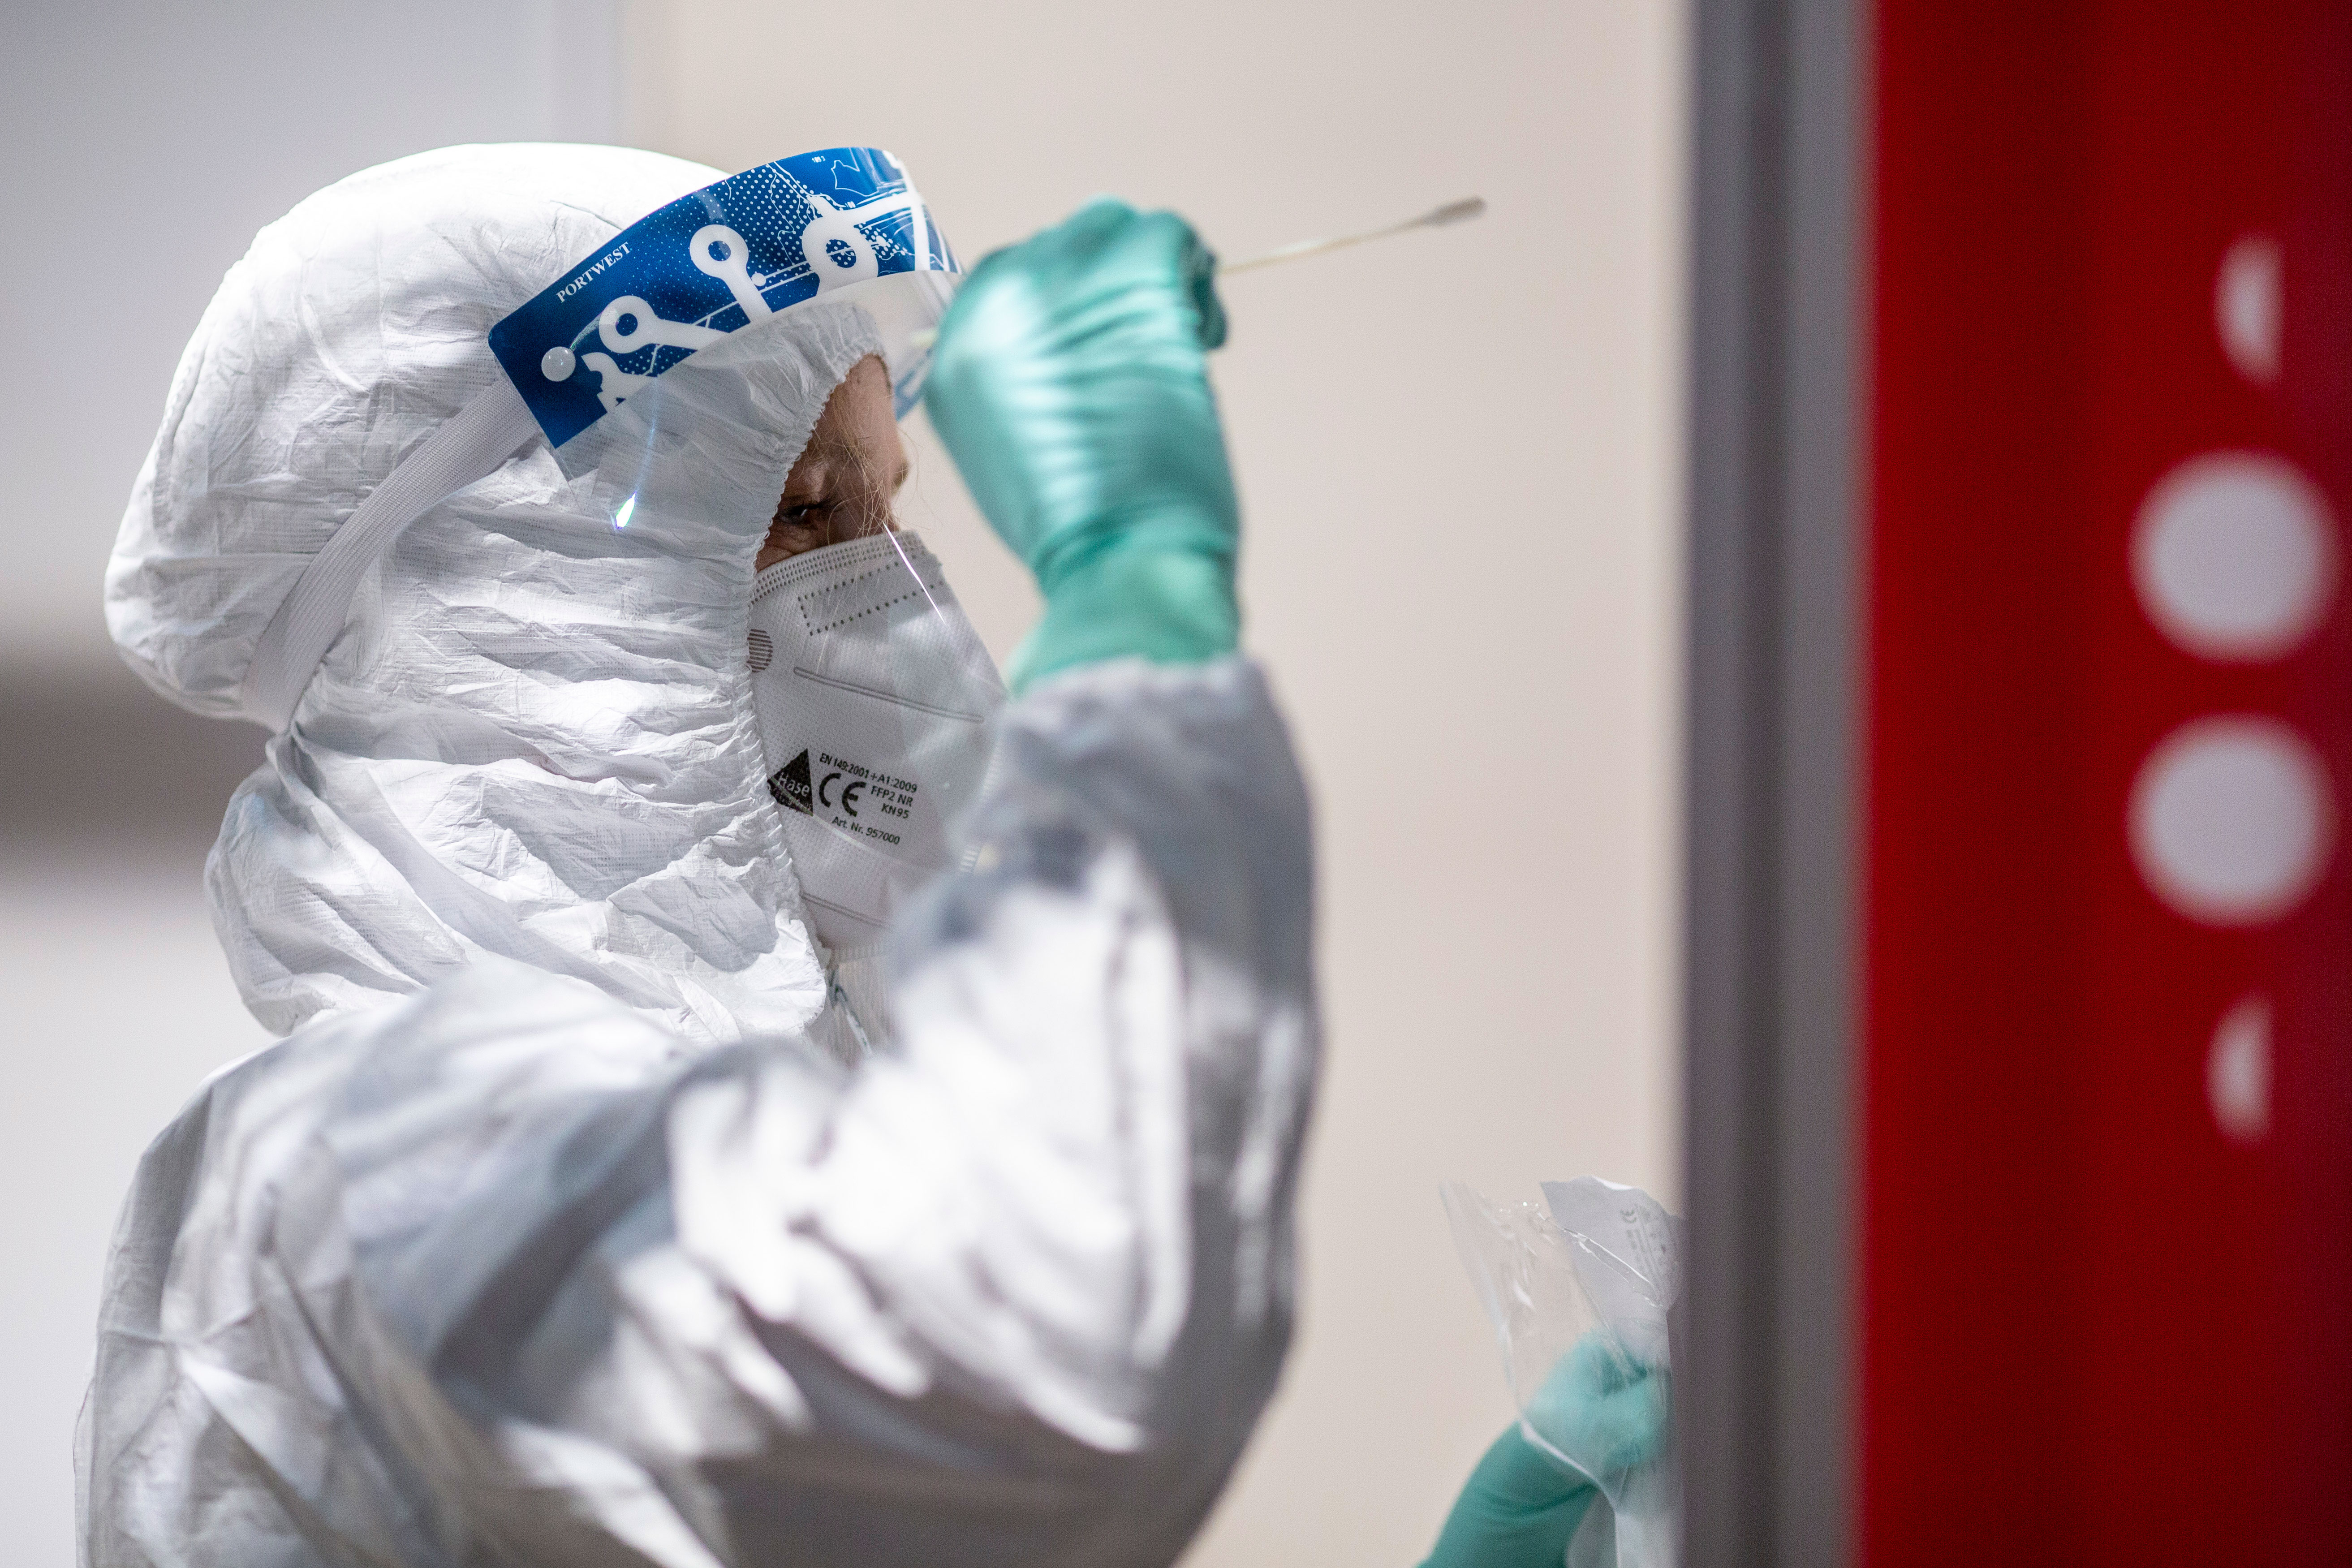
point(1458, 458)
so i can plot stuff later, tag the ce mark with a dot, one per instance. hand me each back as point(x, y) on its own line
point(849, 794)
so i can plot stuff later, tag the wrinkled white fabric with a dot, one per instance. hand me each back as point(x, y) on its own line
point(555, 1233)
point(534, 740)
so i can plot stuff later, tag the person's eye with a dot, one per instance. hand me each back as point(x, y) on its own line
point(807, 511)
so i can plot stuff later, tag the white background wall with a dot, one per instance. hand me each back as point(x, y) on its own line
point(1458, 454)
point(141, 142)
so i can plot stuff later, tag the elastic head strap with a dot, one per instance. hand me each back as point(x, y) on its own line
point(471, 445)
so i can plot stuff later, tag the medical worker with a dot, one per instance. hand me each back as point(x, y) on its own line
point(754, 1090)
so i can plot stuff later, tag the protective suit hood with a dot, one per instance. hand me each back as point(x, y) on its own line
point(534, 736)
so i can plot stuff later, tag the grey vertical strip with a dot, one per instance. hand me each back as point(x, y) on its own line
point(1773, 839)
point(1825, 677)
point(1737, 147)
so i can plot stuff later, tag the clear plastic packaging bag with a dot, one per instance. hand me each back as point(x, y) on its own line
point(1580, 1291)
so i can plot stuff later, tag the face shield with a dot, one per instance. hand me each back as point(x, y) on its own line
point(674, 373)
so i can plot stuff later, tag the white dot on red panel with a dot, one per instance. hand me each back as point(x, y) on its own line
point(2248, 307)
point(2234, 555)
point(2238, 1072)
point(2231, 820)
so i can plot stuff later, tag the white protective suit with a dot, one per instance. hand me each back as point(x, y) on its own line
point(553, 1233)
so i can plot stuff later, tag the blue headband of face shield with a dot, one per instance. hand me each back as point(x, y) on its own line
point(829, 224)
point(842, 224)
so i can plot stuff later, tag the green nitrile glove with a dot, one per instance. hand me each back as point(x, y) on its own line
point(1070, 385)
point(1604, 1410)
point(1518, 1510)
point(1520, 1507)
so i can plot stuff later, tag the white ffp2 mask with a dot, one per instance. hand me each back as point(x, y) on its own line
point(877, 705)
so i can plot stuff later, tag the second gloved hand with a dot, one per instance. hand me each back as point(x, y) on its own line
point(1518, 1510)
point(1607, 1412)
point(1070, 385)
point(1521, 1506)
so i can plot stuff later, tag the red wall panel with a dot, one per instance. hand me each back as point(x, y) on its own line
point(2107, 1241)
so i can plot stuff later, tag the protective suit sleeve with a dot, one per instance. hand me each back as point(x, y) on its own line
point(1071, 385)
point(506, 1272)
